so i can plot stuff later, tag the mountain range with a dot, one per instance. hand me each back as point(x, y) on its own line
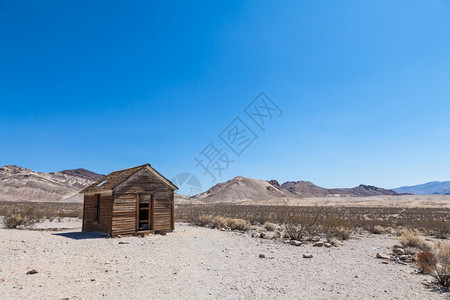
point(240, 189)
point(430, 188)
point(21, 184)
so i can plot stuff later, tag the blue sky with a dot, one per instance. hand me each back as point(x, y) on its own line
point(363, 86)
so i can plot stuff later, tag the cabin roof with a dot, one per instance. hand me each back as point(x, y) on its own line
point(112, 180)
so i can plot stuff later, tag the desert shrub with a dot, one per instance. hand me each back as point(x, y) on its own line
point(440, 229)
point(334, 227)
point(219, 222)
point(269, 226)
point(443, 263)
point(258, 218)
point(204, 220)
point(15, 218)
point(426, 262)
point(342, 233)
point(373, 226)
point(377, 229)
point(412, 238)
point(239, 224)
point(298, 226)
point(295, 231)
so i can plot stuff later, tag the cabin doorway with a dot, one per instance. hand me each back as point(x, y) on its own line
point(144, 212)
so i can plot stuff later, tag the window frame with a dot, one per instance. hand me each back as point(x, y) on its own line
point(97, 208)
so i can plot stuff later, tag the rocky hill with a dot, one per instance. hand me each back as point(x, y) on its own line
point(240, 189)
point(21, 184)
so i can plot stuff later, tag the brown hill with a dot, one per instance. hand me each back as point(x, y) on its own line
point(21, 184)
point(240, 189)
point(83, 173)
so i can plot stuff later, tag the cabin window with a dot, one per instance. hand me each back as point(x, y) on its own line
point(96, 207)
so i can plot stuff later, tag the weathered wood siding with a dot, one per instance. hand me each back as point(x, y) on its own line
point(105, 213)
point(144, 181)
point(124, 214)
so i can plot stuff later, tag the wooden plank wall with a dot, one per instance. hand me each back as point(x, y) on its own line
point(105, 218)
point(124, 214)
point(144, 181)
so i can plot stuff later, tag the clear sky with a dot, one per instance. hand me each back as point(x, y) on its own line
point(363, 86)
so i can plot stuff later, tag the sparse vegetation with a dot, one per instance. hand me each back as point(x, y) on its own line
point(18, 214)
point(269, 226)
point(239, 224)
point(377, 229)
point(426, 262)
point(221, 222)
point(413, 239)
point(333, 223)
point(443, 263)
point(15, 218)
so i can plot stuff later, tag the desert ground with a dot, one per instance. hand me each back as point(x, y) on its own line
point(198, 263)
point(403, 201)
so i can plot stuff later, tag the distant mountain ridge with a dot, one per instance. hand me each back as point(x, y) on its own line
point(241, 189)
point(22, 184)
point(306, 189)
point(430, 188)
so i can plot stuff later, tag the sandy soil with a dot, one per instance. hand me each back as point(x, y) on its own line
point(432, 201)
point(198, 263)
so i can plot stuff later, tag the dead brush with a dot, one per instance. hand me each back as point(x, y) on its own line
point(295, 231)
point(426, 262)
point(334, 227)
point(219, 222)
point(440, 229)
point(377, 229)
point(204, 220)
point(269, 226)
point(298, 226)
point(239, 224)
point(413, 239)
point(15, 217)
point(443, 263)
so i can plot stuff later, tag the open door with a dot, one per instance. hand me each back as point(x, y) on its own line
point(144, 212)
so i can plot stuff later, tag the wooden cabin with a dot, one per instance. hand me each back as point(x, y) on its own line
point(133, 201)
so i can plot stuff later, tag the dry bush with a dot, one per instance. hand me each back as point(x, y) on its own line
point(412, 238)
point(300, 225)
point(269, 226)
point(426, 262)
point(239, 224)
point(334, 227)
point(222, 222)
point(294, 231)
point(440, 229)
point(204, 220)
point(443, 263)
point(377, 229)
point(15, 218)
point(219, 222)
point(342, 233)
point(258, 218)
